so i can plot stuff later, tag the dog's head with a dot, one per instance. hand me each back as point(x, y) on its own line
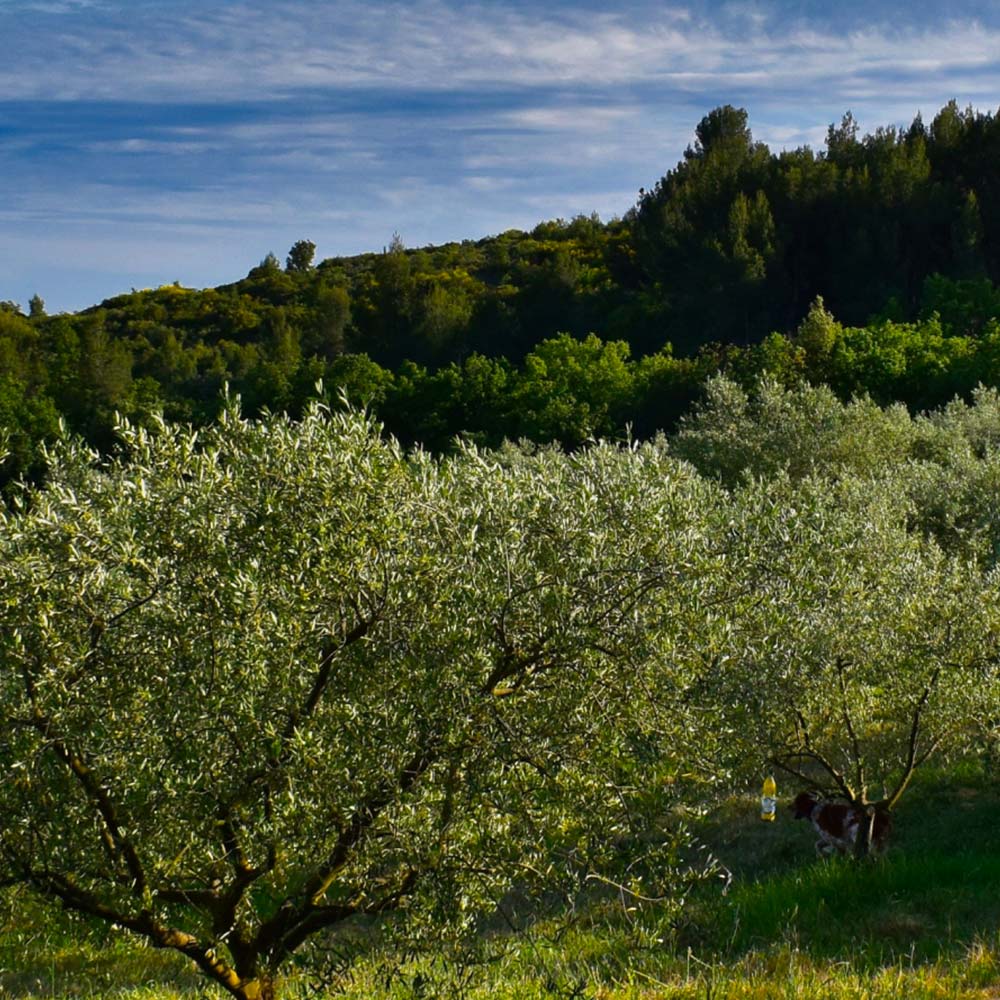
point(804, 804)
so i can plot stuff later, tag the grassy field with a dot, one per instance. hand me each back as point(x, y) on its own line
point(924, 922)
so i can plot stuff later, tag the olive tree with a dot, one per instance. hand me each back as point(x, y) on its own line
point(265, 680)
point(866, 648)
point(867, 540)
point(734, 433)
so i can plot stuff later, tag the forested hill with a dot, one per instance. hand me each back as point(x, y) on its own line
point(719, 265)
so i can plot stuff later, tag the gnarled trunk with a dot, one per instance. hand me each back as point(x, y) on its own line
point(261, 987)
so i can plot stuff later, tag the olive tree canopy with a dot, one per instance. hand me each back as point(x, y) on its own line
point(261, 680)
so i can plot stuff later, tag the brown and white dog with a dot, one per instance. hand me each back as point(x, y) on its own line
point(837, 824)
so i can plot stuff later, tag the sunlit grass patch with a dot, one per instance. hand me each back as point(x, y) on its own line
point(122, 969)
point(928, 903)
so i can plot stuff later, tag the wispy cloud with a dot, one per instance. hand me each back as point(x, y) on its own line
point(572, 118)
point(58, 6)
point(176, 51)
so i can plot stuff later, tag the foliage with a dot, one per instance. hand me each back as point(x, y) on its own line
point(734, 432)
point(278, 678)
point(871, 639)
point(300, 257)
point(275, 678)
point(868, 649)
point(713, 269)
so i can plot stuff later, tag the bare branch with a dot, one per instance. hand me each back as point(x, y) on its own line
point(859, 765)
point(807, 752)
point(913, 760)
point(840, 781)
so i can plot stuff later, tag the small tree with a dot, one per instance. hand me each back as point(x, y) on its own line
point(300, 257)
point(817, 335)
point(260, 682)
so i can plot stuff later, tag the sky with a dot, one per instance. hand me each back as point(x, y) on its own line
point(153, 141)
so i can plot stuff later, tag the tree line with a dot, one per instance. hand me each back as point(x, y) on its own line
point(565, 389)
point(717, 267)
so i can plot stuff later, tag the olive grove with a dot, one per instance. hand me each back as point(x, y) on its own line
point(269, 681)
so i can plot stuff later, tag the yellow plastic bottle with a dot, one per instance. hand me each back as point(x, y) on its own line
point(769, 799)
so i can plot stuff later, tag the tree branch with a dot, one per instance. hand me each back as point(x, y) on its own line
point(320, 917)
point(322, 679)
point(297, 909)
point(807, 752)
point(75, 897)
point(244, 873)
point(114, 839)
point(781, 759)
point(912, 760)
point(361, 821)
point(841, 663)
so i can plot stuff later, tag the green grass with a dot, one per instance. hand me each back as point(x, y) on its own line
point(926, 906)
point(935, 893)
point(923, 923)
point(51, 955)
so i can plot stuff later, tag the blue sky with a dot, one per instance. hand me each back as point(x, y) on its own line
point(161, 140)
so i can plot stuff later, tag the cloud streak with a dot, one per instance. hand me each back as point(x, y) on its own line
point(256, 51)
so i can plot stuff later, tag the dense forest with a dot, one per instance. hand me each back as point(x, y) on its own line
point(871, 266)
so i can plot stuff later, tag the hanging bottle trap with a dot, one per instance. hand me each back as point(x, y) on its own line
point(769, 799)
